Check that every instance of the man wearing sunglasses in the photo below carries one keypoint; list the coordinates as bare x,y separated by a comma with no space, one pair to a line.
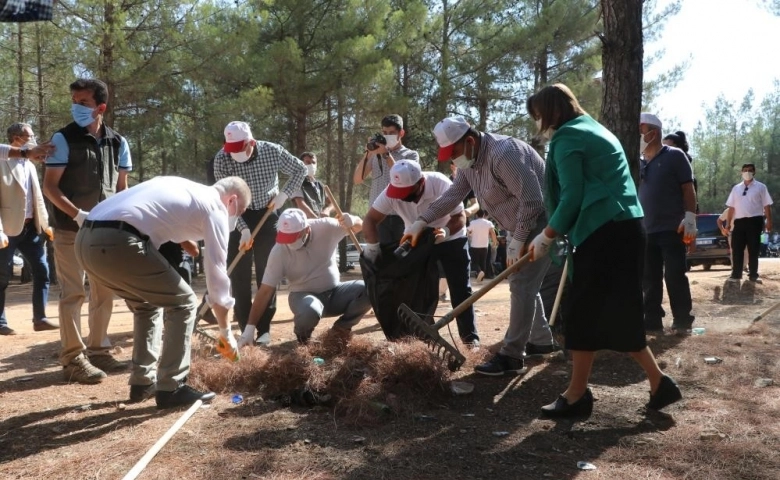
749,202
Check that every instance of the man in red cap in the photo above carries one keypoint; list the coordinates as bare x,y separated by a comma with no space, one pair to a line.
258,164
410,193
304,255
507,176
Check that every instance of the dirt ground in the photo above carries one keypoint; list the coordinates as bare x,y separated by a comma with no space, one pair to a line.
727,426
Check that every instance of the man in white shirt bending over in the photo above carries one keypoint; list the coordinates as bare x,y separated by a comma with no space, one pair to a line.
409,194
481,234
304,255
117,246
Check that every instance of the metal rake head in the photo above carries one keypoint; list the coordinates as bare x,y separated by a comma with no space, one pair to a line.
205,335
428,334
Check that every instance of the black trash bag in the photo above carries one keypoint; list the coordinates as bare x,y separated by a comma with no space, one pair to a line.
413,280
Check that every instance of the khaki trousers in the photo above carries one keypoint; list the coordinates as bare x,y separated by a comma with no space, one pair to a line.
136,271
72,294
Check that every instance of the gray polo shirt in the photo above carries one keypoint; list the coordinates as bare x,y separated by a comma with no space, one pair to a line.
380,172
660,189
312,268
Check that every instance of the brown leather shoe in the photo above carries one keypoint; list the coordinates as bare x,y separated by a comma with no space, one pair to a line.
45,324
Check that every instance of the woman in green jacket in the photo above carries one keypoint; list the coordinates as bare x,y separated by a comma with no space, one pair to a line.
591,198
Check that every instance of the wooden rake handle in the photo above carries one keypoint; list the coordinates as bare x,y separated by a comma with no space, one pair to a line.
465,304
559,295
340,213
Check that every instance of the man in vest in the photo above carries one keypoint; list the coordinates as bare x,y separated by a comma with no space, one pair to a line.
311,198
90,164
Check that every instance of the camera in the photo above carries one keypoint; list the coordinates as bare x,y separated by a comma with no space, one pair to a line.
376,140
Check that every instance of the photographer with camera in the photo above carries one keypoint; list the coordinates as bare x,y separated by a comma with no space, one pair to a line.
382,151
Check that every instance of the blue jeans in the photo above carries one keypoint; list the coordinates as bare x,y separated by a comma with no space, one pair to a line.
665,261
33,248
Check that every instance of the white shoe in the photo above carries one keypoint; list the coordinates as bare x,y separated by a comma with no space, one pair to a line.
264,340
480,276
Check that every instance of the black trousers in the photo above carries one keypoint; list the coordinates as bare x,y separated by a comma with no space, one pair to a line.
480,256
746,233
241,277
665,262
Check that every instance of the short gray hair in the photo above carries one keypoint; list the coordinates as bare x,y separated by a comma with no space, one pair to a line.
17,130
235,186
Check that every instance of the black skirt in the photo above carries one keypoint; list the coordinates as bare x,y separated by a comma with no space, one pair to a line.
604,309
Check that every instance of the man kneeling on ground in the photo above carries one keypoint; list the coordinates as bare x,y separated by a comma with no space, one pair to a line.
117,246
304,255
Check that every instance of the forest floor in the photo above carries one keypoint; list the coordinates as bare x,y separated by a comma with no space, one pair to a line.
726,427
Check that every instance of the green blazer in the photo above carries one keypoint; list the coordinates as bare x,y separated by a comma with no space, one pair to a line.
588,182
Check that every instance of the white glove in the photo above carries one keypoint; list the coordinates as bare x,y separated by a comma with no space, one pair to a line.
688,228
346,220
3,240
514,251
371,251
441,234
413,233
279,200
540,246
248,337
80,217
246,240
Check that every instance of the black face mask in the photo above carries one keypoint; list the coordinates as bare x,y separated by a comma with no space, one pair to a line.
415,195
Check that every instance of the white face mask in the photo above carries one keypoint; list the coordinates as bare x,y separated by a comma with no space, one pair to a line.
311,169
642,144
463,161
242,156
747,176
30,143
299,243
392,140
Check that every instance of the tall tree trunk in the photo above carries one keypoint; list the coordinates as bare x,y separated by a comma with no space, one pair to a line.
341,169
622,53
20,72
106,67
43,117
329,141
301,127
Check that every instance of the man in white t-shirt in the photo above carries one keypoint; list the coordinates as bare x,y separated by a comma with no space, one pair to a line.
409,194
304,255
117,245
749,202
481,234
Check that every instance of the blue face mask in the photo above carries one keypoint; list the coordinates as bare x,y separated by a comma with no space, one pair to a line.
81,115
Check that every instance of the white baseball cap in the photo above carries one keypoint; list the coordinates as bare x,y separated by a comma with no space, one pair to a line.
403,178
650,119
236,135
447,132
291,223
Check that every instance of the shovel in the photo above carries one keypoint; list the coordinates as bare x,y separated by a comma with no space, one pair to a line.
340,213
429,333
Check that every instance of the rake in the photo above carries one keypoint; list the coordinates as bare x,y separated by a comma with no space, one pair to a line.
429,332
204,306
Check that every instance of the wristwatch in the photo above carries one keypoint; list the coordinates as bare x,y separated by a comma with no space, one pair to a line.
23,151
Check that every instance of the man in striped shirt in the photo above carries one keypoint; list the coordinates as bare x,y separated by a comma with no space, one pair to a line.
258,164
507,176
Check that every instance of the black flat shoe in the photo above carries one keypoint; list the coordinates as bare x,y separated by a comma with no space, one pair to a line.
667,393
140,393
181,397
561,408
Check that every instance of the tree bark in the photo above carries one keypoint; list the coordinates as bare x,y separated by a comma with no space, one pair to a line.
622,53
20,71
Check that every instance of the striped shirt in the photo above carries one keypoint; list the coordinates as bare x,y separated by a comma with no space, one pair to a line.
508,180
261,173
380,172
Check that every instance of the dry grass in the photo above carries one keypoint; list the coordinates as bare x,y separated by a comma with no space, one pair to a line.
362,381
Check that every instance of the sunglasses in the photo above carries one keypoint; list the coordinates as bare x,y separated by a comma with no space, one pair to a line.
745,192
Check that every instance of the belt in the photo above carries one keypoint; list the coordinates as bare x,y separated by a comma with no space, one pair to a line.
117,224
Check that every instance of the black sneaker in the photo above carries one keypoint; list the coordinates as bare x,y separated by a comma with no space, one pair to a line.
533,350
500,365
667,393
181,397
140,393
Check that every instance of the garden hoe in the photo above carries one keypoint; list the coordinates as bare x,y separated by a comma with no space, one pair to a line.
204,306
429,332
